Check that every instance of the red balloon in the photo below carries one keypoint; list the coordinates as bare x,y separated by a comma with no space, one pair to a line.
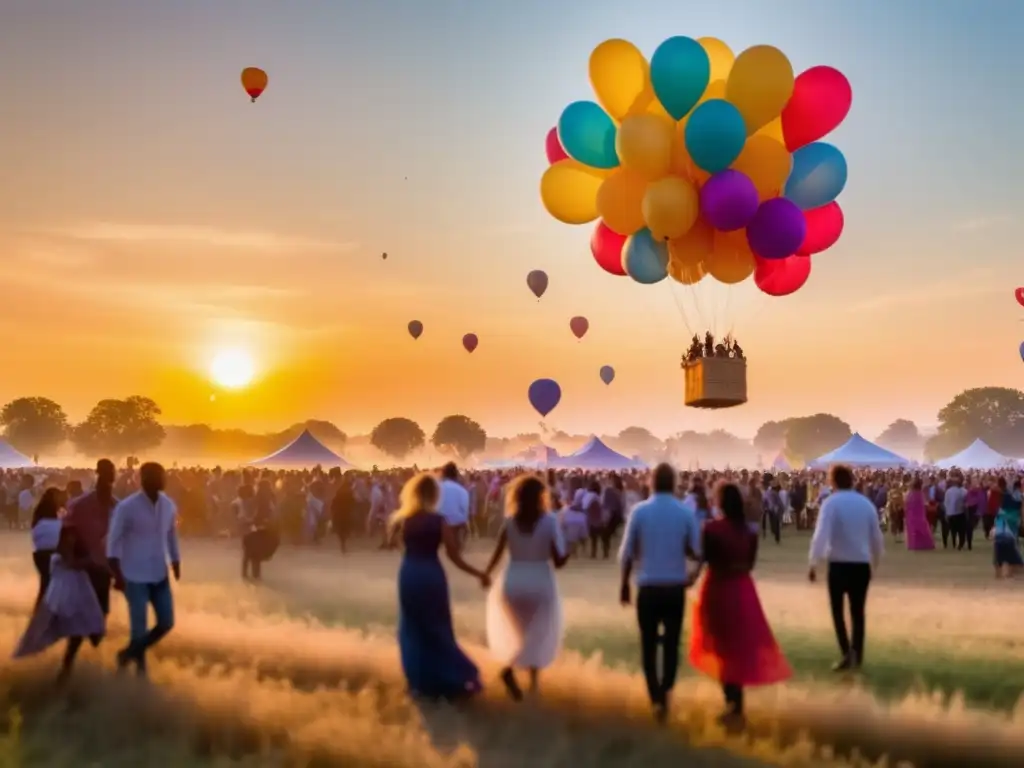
607,249
1019,293
469,341
781,277
579,326
820,102
824,226
554,147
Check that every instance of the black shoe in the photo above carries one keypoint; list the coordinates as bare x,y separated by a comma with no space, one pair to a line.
508,677
123,659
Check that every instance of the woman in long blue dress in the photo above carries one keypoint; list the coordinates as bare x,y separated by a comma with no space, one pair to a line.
434,665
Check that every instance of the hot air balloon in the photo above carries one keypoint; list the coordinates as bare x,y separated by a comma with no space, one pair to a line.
384,256
415,328
1022,350
537,280
469,341
1019,294
579,326
607,374
544,395
254,81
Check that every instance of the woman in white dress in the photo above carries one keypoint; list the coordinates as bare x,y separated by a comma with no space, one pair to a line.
524,611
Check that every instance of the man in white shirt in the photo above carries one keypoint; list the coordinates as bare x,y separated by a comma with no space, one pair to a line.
848,536
26,500
454,506
956,511
662,534
143,536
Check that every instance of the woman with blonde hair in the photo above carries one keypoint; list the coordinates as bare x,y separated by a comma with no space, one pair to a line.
434,665
524,611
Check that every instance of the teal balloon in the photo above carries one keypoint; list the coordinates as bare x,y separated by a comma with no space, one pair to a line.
644,258
715,135
680,70
587,134
818,176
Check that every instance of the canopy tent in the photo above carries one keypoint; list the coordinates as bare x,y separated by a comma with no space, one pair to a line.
304,451
596,455
12,459
858,452
978,455
781,464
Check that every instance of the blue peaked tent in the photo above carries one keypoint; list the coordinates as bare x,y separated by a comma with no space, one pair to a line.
597,455
858,452
12,459
303,452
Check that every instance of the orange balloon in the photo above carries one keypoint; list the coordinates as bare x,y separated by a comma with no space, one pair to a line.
682,164
620,201
254,81
732,261
687,255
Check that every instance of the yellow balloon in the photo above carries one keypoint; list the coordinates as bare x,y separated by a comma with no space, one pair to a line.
759,85
688,254
644,144
773,130
670,207
720,56
733,261
569,191
621,78
620,201
767,162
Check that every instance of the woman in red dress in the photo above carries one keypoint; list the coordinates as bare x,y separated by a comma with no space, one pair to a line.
731,640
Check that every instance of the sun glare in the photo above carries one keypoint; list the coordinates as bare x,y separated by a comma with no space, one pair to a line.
232,369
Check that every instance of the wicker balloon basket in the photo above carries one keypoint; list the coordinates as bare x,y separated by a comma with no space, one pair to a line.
715,382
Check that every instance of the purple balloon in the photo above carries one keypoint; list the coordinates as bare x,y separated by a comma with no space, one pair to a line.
544,395
728,200
777,229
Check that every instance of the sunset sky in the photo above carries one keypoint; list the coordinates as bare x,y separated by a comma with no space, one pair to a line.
151,216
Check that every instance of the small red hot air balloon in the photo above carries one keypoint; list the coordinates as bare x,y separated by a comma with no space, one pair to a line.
579,326
254,81
537,281
415,328
469,341
1019,294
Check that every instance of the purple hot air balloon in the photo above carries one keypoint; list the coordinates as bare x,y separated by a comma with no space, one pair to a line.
579,326
415,328
607,374
537,280
544,395
469,341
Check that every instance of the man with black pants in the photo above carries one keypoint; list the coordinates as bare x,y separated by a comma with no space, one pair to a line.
662,533
849,536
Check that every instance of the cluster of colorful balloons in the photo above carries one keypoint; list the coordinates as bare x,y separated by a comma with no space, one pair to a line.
702,163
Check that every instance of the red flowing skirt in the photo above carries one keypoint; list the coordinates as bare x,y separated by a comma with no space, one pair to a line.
731,641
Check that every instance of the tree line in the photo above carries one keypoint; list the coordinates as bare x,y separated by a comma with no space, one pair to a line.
131,426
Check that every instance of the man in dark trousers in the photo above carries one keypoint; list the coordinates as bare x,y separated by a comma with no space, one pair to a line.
662,534
848,535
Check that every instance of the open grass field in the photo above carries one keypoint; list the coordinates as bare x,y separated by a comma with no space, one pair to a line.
303,671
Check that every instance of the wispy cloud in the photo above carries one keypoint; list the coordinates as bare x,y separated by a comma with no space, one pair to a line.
251,240
972,283
978,223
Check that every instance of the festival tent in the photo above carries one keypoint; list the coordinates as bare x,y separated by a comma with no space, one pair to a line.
12,459
780,464
978,455
304,451
858,452
597,455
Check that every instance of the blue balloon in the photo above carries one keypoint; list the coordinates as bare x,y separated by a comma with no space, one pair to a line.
644,258
607,374
587,134
680,70
818,176
715,135
544,395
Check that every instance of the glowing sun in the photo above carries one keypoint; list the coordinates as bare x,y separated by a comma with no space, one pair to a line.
232,369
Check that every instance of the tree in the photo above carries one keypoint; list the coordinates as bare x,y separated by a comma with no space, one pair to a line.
34,424
637,441
902,436
397,437
459,435
771,436
120,427
808,437
993,414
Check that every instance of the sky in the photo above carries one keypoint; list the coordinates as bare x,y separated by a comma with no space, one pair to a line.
151,216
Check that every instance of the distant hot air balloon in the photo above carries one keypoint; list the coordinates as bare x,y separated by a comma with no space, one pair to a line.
469,341
254,81
607,374
1022,350
579,326
538,282
1019,293
415,328
384,255
544,395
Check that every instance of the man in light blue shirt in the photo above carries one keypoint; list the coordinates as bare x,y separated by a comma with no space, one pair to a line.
143,536
662,535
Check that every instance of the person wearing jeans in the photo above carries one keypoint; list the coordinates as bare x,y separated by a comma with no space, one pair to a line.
143,537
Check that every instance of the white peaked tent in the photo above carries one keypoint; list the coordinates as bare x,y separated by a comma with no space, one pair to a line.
12,459
858,452
304,451
978,455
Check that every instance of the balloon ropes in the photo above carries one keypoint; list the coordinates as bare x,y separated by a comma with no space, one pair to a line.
704,170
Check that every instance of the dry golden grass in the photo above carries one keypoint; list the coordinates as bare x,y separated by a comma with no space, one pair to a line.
270,676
